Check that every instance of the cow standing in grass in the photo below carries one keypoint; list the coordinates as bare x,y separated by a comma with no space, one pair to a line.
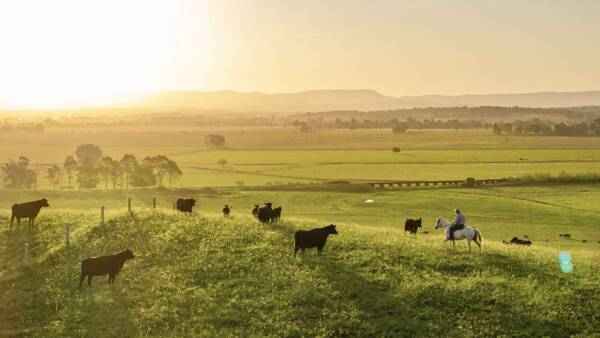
27,210
185,204
226,210
109,265
412,225
313,238
255,211
276,214
264,213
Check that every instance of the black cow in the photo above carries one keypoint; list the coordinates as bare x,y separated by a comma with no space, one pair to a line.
264,213
412,225
27,210
109,265
226,210
185,204
313,238
518,241
276,214
255,211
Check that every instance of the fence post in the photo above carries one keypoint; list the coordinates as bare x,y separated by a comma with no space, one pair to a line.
26,256
129,204
67,233
153,202
102,215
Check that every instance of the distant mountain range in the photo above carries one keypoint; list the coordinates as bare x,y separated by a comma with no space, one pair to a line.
362,99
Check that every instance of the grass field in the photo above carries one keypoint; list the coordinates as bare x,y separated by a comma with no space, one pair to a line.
282,155
203,275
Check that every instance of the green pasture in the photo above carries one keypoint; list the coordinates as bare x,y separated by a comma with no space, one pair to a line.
541,212
202,275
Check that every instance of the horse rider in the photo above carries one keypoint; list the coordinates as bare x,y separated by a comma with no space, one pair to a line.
458,224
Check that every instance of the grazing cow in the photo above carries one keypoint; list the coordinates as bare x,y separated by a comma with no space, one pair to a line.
566,235
526,237
584,241
264,213
515,240
27,210
313,238
185,204
255,211
412,225
109,265
276,214
226,210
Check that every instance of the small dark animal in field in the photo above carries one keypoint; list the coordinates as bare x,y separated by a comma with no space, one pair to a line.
255,210
264,213
518,241
276,214
412,225
109,265
566,235
584,241
505,242
27,210
185,204
313,238
525,236
226,210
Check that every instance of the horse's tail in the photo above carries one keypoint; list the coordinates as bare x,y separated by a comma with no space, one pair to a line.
478,236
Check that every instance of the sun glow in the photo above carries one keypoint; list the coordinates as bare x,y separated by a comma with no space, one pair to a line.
64,53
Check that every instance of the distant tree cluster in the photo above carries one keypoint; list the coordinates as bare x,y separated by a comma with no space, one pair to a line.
538,127
18,175
395,125
90,168
22,127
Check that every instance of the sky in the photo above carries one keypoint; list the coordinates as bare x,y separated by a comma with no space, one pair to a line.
75,52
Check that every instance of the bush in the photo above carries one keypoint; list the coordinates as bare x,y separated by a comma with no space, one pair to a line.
470,182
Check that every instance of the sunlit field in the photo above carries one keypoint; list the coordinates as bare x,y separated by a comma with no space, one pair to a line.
269,156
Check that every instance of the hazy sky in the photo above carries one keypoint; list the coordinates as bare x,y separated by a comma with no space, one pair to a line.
64,52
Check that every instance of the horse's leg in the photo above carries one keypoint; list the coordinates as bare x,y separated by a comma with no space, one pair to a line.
454,245
478,244
469,244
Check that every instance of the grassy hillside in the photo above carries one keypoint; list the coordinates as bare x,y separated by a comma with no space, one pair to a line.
205,275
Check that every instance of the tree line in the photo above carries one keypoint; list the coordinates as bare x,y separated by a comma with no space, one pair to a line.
394,124
89,168
546,128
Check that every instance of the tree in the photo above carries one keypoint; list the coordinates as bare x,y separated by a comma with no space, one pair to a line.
116,174
399,128
88,175
143,176
17,175
70,166
222,162
106,169
53,175
214,140
173,171
88,154
128,164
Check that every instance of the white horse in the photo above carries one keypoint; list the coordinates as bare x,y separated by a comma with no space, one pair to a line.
468,233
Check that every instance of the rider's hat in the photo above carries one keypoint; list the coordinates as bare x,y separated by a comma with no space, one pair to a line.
457,210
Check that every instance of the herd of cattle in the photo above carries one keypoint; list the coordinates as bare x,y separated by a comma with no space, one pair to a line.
111,265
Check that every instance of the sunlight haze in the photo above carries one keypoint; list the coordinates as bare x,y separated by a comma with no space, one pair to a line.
70,53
